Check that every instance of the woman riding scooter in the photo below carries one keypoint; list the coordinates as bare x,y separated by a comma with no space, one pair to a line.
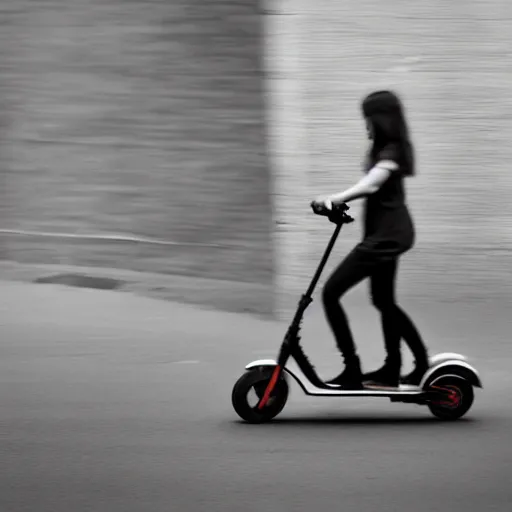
388,233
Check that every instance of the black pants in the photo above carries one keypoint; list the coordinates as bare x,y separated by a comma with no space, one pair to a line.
358,265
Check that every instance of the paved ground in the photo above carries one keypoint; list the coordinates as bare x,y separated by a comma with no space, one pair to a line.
232,296
114,402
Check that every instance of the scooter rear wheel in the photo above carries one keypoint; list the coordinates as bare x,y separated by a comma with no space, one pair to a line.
257,379
458,401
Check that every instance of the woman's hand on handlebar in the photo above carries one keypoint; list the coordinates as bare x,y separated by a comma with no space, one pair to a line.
320,204
326,207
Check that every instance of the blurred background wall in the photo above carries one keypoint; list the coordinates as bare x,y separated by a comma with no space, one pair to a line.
139,118
150,118
451,63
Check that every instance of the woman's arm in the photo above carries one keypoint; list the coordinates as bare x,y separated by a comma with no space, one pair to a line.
366,186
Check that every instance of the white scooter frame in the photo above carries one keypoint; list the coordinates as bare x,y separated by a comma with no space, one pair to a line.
443,365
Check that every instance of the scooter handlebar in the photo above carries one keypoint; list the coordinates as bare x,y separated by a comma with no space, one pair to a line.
320,209
337,214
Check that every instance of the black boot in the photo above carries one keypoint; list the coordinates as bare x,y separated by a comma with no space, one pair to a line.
350,378
386,376
414,378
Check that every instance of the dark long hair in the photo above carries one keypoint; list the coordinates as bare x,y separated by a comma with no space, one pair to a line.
386,114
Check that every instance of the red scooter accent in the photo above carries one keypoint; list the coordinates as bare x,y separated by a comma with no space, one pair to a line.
270,387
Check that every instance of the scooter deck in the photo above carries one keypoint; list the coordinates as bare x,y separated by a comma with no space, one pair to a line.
328,390
370,391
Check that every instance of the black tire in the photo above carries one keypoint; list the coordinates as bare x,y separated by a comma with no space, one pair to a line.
257,379
453,411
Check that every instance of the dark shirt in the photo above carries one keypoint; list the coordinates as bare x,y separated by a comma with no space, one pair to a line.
388,227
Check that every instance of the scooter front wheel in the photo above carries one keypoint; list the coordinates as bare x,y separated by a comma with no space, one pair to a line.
249,389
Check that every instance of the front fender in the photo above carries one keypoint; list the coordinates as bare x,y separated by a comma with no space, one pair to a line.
272,363
261,362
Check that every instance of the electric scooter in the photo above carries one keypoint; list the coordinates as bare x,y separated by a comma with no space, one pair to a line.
446,388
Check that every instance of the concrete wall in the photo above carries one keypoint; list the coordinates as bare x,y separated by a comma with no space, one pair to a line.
143,118
123,117
449,61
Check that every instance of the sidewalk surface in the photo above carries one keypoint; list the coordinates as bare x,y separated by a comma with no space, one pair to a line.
117,402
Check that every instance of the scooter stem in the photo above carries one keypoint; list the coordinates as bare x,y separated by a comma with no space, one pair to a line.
291,335
323,261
